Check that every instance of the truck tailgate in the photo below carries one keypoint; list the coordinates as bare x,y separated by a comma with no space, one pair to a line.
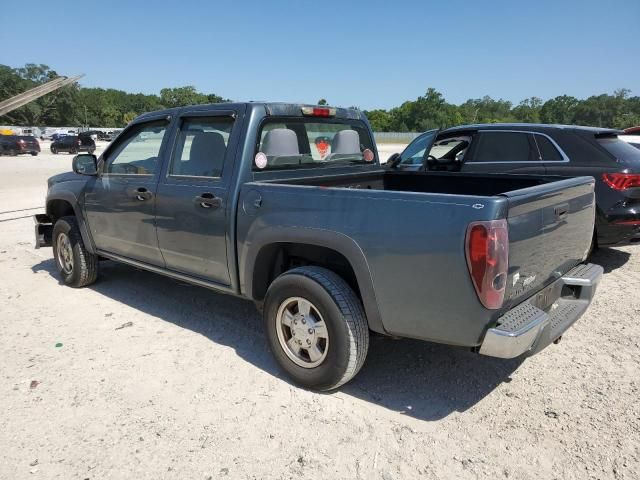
550,232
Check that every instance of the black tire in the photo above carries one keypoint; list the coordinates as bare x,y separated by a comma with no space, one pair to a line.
54,150
84,269
343,315
34,154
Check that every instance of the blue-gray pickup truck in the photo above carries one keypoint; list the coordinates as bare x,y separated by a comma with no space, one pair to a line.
287,205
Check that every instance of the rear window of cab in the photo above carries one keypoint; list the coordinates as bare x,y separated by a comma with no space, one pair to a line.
290,143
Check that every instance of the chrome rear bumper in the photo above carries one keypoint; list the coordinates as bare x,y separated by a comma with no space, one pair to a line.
527,328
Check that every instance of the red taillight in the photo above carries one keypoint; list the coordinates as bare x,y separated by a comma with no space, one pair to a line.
487,250
621,181
633,223
319,111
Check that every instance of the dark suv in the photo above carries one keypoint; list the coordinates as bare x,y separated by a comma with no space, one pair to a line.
19,144
73,144
547,150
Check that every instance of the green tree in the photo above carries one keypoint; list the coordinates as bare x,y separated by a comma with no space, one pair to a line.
559,110
213,98
486,110
528,110
322,101
380,120
181,96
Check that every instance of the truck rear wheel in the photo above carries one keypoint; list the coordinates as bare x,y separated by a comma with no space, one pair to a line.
77,266
316,327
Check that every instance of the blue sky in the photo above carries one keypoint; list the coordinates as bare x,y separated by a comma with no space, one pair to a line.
371,54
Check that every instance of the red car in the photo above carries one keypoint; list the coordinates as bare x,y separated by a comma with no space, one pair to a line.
18,144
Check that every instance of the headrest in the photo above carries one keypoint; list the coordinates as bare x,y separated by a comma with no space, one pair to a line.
206,145
346,142
280,142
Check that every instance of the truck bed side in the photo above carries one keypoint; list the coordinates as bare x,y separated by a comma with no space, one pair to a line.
412,245
407,249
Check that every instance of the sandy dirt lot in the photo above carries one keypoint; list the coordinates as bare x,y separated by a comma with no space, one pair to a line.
144,377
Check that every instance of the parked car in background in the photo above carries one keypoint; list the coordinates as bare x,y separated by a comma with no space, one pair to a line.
104,136
58,135
27,131
632,136
237,197
547,150
19,145
92,134
73,144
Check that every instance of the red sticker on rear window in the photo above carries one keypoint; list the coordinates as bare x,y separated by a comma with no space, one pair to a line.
323,144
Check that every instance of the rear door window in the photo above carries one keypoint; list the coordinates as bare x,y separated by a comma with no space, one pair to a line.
622,151
202,145
505,147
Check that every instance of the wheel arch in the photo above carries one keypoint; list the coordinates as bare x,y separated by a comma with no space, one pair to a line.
279,249
66,204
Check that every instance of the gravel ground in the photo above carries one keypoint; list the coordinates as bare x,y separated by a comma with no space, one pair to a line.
143,377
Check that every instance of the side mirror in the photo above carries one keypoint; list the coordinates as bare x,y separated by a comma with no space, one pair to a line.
85,164
393,160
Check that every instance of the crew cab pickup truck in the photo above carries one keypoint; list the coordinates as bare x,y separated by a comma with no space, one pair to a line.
288,206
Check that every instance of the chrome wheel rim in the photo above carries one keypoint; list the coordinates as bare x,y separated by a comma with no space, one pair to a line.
302,332
65,253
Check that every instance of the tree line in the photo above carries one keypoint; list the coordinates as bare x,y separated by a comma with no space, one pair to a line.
75,105
619,110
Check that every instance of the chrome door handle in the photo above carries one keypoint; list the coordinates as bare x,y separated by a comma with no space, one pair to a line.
208,200
142,194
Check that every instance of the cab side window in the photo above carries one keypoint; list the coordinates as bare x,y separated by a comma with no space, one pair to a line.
138,151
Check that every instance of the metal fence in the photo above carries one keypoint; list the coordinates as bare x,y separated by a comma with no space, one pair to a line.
395,137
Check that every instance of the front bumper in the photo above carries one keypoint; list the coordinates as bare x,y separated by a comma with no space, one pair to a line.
43,230
543,318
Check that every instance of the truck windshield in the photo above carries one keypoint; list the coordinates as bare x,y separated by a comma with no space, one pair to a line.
313,142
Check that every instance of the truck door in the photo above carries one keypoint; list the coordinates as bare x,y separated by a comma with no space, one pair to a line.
120,202
503,151
193,204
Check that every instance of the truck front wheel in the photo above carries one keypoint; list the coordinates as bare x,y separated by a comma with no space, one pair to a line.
77,266
316,327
